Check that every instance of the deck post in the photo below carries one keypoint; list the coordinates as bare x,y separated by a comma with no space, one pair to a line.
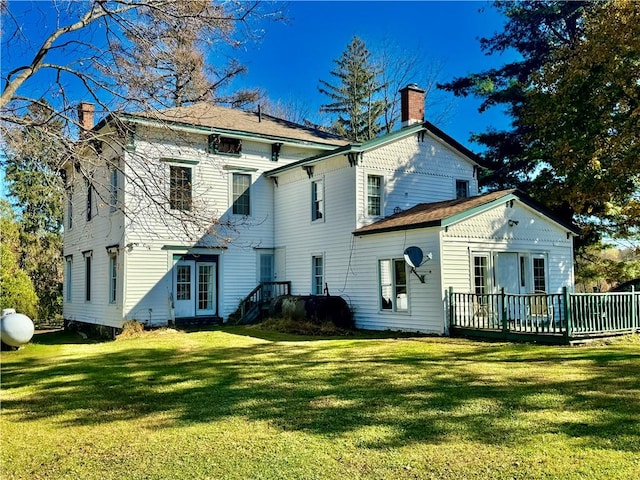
567,312
451,307
503,311
634,309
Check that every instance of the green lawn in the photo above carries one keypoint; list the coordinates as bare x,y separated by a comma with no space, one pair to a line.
237,403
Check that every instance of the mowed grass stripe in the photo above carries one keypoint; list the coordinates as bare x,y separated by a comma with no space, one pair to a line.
237,403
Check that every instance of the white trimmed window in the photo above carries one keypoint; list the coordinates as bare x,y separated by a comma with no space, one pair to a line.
68,276
88,266
462,188
70,208
481,274
90,195
392,276
539,274
241,190
317,265
113,189
374,195
113,277
317,200
180,184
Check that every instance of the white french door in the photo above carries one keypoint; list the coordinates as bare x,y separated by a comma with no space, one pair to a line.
195,289
206,288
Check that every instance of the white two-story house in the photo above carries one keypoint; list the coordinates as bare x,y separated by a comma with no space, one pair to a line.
186,210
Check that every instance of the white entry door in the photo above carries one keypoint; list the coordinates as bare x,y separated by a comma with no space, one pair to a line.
508,272
195,288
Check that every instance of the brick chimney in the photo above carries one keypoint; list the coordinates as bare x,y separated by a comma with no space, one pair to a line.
412,105
85,115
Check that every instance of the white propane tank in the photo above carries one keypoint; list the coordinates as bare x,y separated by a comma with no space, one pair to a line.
16,329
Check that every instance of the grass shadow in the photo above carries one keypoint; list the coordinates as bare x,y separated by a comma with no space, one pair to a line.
423,391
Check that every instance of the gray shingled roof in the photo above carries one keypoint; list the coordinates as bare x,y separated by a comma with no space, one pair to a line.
220,118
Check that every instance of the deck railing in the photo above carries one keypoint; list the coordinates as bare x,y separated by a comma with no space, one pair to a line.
568,315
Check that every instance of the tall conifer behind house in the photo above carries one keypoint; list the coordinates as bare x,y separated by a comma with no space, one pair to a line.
355,97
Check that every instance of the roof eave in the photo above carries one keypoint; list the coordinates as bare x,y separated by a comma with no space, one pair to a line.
398,228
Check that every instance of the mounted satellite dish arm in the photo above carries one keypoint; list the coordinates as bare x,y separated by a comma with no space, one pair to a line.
414,258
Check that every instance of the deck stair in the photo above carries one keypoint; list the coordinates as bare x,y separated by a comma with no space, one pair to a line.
255,306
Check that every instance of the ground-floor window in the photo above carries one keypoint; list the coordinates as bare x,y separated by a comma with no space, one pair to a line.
539,274
317,265
69,275
480,274
88,262
393,285
113,277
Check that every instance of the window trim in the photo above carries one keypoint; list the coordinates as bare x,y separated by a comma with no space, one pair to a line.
68,262
318,206
379,196
247,192
113,189
69,208
113,277
394,285
487,278
89,201
214,142
545,274
179,198
459,183
88,275
317,288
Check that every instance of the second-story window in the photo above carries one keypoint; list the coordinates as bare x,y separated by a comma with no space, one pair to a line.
374,195
70,208
180,187
241,194
90,195
462,188
317,200
219,144
113,189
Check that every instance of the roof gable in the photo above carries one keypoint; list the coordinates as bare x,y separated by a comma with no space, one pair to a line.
359,148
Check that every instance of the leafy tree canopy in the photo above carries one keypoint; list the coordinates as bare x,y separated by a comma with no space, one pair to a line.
573,98
16,288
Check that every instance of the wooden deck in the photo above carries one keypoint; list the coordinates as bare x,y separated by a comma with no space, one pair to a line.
544,318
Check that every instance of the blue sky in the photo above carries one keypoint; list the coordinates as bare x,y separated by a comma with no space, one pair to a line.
292,57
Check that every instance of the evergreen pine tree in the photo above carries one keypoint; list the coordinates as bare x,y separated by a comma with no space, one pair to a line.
355,99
